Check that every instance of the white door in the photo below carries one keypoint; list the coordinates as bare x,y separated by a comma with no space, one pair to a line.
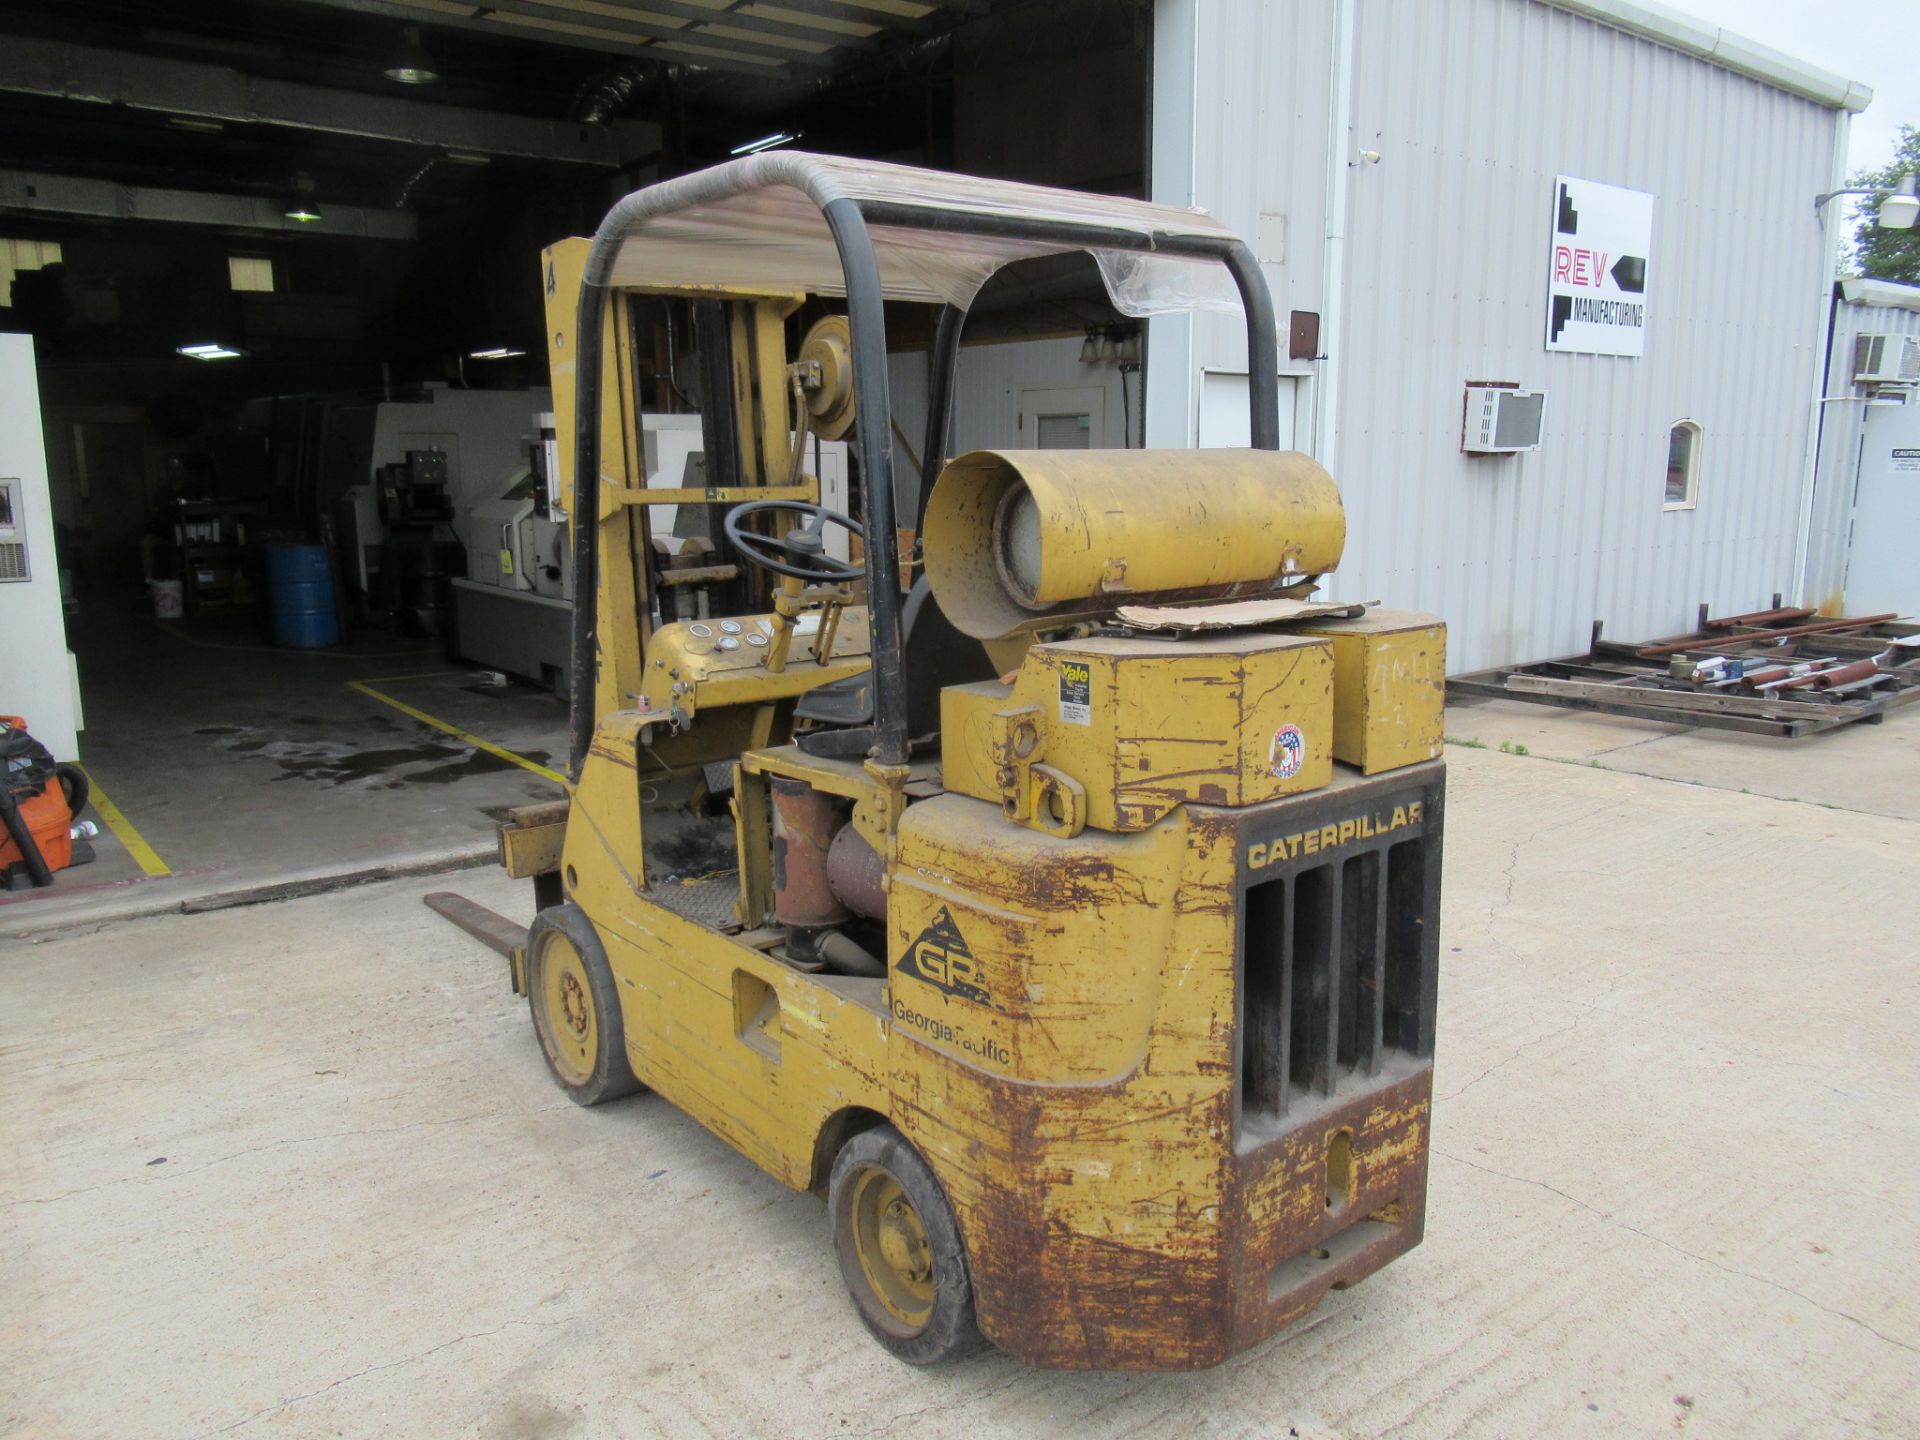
1226,420
1062,417
1883,566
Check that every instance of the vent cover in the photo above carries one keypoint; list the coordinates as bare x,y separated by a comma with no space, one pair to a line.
13,531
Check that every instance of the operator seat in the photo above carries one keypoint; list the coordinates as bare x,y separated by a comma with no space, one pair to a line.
933,654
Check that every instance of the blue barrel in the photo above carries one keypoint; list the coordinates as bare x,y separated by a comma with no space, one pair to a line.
300,596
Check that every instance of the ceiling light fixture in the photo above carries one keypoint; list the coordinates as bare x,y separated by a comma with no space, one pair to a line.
211,351
498,352
765,142
300,204
411,64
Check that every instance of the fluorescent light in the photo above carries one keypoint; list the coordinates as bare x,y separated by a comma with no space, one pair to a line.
765,142
498,352
211,351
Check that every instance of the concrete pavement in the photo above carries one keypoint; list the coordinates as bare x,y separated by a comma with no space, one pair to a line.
298,1170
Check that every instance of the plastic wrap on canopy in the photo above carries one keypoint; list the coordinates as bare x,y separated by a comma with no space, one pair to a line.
757,223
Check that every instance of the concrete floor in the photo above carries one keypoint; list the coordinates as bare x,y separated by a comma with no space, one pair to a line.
240,764
1871,768
298,1170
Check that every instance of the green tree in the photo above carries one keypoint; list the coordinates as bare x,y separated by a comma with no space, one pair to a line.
1887,254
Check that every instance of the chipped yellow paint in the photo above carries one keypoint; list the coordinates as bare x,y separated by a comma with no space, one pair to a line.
1389,687
1143,726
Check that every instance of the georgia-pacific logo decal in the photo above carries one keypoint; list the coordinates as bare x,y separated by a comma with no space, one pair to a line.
941,957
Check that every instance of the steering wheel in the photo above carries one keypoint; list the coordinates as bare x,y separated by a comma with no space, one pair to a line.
801,552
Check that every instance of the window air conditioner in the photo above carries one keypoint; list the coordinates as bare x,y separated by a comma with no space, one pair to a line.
1502,420
1886,359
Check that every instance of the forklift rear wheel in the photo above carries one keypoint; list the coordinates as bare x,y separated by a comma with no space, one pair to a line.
576,1010
900,1250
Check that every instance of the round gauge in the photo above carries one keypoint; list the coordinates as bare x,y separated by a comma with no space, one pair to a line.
756,638
729,627
729,642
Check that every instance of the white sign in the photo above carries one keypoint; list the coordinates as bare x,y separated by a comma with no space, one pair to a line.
1597,268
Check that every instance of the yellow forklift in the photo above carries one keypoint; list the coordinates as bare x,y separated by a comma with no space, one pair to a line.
1067,918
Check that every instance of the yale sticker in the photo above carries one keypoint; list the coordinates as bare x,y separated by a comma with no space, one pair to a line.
506,561
941,956
1332,836
1076,692
1289,751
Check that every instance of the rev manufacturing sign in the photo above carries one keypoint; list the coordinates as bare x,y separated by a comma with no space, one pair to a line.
1597,268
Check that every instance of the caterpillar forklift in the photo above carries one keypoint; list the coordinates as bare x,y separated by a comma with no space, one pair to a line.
1067,917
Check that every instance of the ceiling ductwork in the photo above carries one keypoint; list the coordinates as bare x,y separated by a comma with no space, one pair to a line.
608,96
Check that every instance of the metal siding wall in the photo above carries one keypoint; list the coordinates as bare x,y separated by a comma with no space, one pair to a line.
1257,139
1845,412
1475,106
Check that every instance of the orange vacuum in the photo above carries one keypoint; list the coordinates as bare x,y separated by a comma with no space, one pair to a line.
39,799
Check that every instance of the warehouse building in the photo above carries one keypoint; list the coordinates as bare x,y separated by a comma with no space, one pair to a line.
1553,288
1411,173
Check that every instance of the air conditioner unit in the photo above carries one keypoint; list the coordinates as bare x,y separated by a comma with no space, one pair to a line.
1502,419
1886,359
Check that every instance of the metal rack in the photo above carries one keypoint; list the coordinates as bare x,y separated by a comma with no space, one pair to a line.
1783,671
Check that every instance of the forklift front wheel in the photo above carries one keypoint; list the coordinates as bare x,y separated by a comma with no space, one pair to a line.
576,1011
900,1251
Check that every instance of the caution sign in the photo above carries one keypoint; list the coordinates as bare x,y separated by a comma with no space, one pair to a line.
1907,460
1597,268
1076,692
941,956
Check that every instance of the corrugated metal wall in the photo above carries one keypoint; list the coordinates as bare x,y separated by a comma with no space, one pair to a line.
1254,144
1844,412
1474,107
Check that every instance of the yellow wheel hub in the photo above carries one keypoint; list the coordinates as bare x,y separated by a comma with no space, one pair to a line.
895,1255
569,1029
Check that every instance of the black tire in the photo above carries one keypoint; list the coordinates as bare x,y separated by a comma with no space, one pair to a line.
73,782
585,1045
947,1329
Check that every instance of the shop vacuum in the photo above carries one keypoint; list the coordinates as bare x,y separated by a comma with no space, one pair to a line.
39,800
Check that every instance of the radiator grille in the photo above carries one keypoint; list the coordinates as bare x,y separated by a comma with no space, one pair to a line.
1337,969
13,562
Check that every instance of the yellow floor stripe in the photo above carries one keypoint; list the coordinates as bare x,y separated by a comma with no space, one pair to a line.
459,734
415,675
144,855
